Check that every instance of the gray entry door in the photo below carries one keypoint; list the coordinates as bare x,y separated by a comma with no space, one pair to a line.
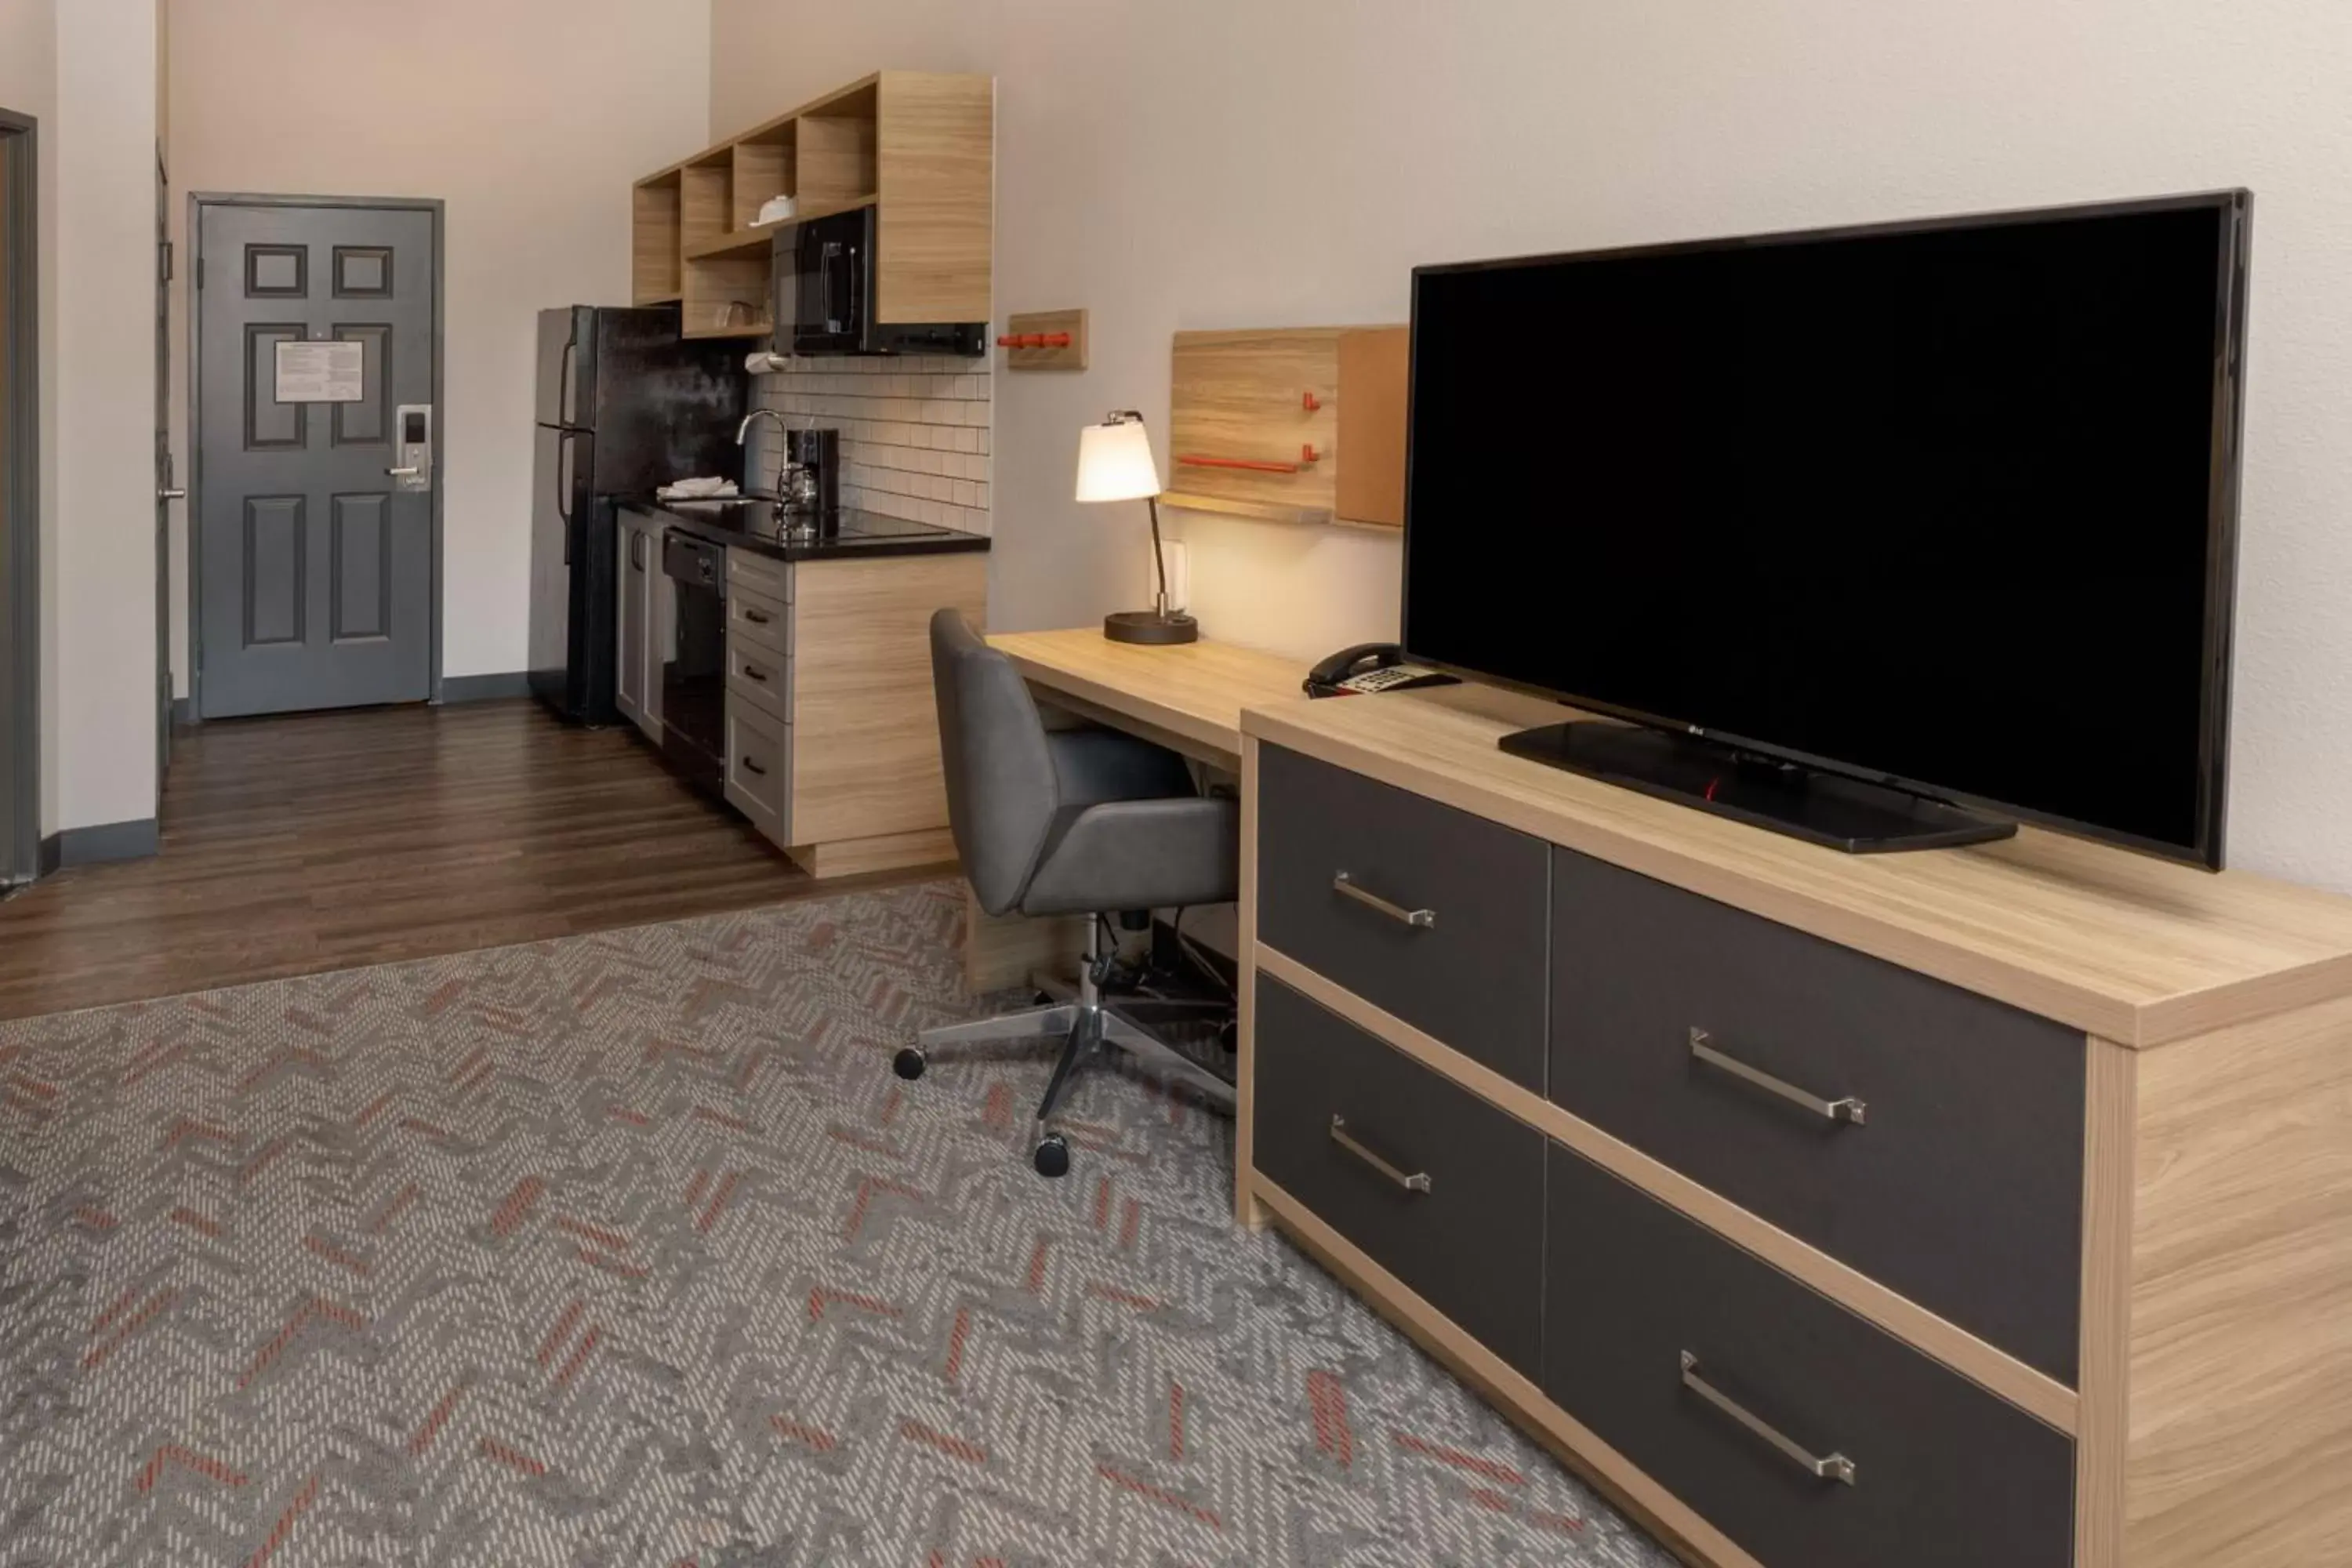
314,566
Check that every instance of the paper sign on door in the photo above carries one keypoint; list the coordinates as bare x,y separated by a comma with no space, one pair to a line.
321,373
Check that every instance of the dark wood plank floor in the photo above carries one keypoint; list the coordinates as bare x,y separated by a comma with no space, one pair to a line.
324,841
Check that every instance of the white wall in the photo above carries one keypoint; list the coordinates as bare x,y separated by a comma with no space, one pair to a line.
104,608
87,70
529,118
1232,162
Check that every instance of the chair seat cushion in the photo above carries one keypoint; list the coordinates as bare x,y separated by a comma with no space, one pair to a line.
1140,855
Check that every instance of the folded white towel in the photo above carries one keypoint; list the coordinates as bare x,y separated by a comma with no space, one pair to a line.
697,490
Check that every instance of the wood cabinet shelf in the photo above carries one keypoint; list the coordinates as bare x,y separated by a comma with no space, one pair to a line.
749,240
919,146
758,329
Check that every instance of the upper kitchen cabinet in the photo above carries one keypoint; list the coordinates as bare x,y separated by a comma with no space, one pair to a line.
918,147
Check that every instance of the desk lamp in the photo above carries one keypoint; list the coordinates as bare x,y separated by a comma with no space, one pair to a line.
1115,464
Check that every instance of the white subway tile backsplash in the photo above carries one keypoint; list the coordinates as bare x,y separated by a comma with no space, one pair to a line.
915,432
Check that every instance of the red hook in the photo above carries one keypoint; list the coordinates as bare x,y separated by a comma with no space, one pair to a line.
1313,403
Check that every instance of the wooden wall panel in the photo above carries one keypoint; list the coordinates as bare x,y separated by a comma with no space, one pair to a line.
1374,366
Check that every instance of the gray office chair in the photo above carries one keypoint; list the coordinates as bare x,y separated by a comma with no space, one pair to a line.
1066,822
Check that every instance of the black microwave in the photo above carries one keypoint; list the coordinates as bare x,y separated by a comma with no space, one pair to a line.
824,295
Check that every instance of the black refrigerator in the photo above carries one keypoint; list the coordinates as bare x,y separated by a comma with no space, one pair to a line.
624,406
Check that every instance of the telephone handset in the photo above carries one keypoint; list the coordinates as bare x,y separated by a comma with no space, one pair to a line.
1369,666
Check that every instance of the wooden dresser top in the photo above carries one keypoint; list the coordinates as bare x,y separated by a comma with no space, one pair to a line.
2132,949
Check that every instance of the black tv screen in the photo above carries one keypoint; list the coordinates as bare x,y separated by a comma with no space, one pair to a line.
1949,505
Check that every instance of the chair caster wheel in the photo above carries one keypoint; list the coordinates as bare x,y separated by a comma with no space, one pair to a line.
1053,1156
908,1063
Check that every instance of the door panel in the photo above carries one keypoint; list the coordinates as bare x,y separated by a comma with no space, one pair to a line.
274,574
362,568
367,422
313,571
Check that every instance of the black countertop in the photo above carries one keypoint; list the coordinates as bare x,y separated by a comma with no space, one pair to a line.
763,527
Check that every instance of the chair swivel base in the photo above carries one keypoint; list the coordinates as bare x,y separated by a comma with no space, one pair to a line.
1086,1026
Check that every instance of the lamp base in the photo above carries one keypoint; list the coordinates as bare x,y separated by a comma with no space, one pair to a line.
1151,627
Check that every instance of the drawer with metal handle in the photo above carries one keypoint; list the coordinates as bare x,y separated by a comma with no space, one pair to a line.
1808,1436
1427,912
1927,1136
762,574
1444,1191
759,778
754,617
761,677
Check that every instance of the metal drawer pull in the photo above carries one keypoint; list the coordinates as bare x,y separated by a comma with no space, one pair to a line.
1846,1109
1416,1183
755,672
1836,1467
1420,920
757,617
755,767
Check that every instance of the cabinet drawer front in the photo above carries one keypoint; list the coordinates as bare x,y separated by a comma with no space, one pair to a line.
1945,1475
1441,1188
1961,1186
753,616
759,767
1471,971
761,677
749,569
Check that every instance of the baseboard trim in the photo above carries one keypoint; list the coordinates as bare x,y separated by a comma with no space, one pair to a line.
454,688
99,845
484,687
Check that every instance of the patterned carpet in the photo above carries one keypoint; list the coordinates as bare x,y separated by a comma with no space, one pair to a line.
629,1249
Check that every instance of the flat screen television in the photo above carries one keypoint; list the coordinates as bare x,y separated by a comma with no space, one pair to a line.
1946,509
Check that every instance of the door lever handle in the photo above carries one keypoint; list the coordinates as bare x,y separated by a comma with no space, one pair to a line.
172,495
407,473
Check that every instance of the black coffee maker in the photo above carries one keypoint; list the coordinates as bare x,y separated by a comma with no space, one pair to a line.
812,469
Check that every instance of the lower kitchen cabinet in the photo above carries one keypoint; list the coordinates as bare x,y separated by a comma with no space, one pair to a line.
645,621
833,735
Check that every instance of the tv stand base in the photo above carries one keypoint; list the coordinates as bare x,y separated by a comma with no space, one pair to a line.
1852,815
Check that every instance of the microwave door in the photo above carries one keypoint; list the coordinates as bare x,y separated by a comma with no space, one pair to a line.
833,276
790,304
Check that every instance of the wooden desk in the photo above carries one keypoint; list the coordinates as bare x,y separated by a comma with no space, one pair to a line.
1188,698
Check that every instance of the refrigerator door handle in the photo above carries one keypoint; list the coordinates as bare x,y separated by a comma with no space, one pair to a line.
565,410
563,482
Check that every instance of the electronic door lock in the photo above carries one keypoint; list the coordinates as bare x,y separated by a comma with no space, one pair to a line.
414,468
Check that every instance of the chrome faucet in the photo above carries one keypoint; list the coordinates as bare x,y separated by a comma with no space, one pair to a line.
744,429
783,458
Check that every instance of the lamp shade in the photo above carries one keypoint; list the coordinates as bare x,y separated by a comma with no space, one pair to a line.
1115,462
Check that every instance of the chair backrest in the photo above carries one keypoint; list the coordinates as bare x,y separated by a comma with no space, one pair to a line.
1001,789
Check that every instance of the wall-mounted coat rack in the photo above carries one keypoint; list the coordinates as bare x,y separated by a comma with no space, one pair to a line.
1292,424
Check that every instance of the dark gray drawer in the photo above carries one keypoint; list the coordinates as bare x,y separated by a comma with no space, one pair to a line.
1945,1474
1472,1242
1472,976
1961,1188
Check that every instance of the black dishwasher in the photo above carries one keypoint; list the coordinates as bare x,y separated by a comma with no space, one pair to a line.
694,678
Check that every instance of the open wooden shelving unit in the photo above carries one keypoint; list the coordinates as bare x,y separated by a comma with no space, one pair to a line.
919,145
